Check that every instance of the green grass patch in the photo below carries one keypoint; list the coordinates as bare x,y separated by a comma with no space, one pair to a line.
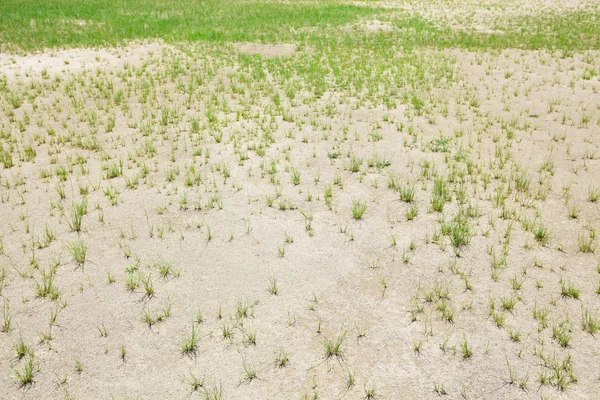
35,24
571,30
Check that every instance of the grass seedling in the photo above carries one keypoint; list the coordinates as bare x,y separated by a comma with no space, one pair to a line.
586,242
249,372
542,234
439,389
226,330
122,352
569,290
78,249
358,209
190,343
21,348
589,321
370,392
250,337
562,333
148,285
273,289
411,212
6,322
350,379
102,330
78,365
328,195
214,393
594,194
384,286
333,347
46,288
78,210
25,376
407,193
512,375
418,345
465,348
282,358
199,318
166,269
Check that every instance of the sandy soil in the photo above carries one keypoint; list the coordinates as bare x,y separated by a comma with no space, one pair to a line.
233,228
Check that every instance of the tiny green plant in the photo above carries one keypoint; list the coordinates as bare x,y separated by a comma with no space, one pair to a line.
148,285
465,348
569,290
282,358
370,392
542,234
25,376
249,372
333,346
78,249
78,210
21,348
407,193
594,194
562,333
196,383
358,209
123,352
78,365
590,321
328,195
350,378
273,289
439,389
215,392
190,343
102,330
6,322
411,212
418,346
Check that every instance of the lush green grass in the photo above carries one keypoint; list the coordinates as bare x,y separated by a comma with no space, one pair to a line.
33,24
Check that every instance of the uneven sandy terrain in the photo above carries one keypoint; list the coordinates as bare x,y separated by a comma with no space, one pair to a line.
184,220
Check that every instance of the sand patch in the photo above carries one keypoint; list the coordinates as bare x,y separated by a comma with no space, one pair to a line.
75,60
375,25
266,50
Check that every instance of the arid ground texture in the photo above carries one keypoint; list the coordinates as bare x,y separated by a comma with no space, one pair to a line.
299,199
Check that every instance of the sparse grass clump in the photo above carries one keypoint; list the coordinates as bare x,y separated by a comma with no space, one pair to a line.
542,234
568,289
78,249
333,346
282,358
25,375
358,209
190,343
458,230
562,333
590,322
407,193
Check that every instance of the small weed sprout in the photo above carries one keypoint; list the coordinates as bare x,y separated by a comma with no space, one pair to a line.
78,249
358,209
25,376
282,358
333,346
190,343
